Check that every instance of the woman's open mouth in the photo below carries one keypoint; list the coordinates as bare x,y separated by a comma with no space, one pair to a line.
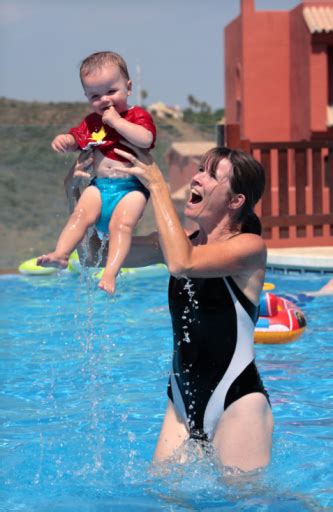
195,197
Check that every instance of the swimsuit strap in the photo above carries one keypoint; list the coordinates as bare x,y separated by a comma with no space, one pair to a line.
248,305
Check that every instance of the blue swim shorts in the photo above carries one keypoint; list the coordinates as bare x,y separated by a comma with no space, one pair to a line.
112,191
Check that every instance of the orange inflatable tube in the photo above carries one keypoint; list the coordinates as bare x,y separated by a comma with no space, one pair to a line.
280,320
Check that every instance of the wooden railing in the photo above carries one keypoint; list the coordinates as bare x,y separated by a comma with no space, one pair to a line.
297,207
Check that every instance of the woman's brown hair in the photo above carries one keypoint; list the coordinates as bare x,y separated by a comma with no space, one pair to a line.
247,178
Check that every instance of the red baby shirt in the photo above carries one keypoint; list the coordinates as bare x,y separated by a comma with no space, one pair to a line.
90,132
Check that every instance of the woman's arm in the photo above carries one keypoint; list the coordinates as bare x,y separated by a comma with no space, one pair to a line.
76,174
145,250
241,254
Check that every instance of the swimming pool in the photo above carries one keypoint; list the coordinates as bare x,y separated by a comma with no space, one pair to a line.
84,391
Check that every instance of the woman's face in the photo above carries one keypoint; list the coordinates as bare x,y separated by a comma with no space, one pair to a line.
210,194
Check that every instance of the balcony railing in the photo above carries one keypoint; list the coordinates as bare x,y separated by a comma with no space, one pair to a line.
297,206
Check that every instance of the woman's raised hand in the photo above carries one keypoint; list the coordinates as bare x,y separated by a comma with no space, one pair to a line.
82,164
143,165
78,171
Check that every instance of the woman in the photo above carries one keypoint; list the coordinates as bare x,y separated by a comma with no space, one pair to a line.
217,273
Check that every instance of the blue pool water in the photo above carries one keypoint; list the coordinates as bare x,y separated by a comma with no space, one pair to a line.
83,392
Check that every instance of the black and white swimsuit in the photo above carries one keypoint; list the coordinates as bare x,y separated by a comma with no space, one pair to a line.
213,360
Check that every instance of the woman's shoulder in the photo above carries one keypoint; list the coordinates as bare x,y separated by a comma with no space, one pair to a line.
240,243
247,250
251,245
245,244
254,239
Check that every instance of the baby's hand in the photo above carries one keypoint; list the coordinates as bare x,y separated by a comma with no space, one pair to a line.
110,117
64,143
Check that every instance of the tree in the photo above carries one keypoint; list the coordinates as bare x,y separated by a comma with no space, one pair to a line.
201,113
205,108
193,102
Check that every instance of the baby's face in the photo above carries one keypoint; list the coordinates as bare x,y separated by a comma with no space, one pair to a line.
107,87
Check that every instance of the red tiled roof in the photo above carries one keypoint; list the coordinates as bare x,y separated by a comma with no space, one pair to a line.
319,19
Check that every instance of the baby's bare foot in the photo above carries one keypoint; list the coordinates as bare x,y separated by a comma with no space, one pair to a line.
52,259
108,282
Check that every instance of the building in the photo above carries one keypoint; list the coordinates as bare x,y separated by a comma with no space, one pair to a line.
162,111
279,101
279,72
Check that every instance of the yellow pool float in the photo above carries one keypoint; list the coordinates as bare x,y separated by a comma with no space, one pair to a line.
30,267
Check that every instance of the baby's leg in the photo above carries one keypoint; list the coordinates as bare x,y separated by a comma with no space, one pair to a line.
86,213
123,221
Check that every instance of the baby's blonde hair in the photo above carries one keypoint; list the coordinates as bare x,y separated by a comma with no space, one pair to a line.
98,60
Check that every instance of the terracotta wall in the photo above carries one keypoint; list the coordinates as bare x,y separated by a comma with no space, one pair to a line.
266,76
300,44
233,71
318,87
257,51
276,74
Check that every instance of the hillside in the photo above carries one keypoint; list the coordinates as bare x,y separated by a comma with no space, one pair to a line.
32,203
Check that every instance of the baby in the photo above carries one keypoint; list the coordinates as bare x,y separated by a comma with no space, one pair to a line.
114,201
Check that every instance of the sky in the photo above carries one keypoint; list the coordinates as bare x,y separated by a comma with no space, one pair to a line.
176,44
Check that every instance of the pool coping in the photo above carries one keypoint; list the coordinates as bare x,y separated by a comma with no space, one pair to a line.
301,260
291,259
